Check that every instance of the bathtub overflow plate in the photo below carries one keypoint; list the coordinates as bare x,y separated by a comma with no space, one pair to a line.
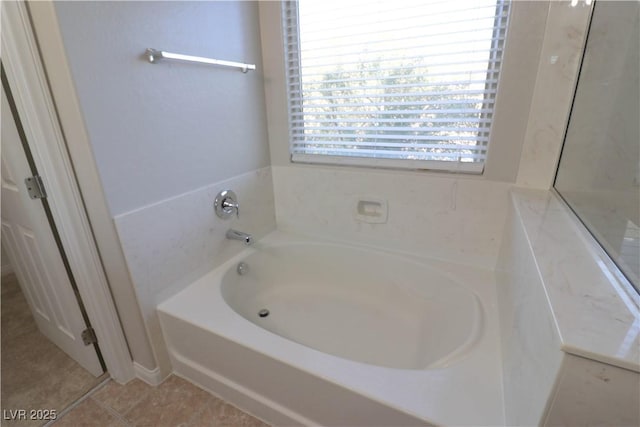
263,313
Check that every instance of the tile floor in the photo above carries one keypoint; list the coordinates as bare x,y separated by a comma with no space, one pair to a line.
35,373
175,402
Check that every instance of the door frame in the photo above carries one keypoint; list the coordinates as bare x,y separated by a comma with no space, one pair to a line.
21,60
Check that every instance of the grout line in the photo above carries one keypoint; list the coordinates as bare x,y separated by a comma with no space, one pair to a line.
203,407
112,411
140,398
81,399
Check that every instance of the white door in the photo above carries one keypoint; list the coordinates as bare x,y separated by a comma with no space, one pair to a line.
34,254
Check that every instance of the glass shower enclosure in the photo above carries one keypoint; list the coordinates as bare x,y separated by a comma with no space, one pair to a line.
599,170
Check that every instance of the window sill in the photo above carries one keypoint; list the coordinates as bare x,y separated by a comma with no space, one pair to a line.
422,165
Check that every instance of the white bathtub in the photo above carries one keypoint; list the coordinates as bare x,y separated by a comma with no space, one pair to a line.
353,336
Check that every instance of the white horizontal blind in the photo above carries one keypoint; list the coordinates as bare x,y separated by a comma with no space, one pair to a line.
387,83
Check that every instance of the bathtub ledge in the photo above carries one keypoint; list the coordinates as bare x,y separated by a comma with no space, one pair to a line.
595,309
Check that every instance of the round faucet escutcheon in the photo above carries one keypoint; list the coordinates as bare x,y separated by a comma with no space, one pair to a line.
226,204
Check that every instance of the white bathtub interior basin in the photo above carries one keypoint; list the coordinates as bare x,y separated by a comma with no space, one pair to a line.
355,336
358,304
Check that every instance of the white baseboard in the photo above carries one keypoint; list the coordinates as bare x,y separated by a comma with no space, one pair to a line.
152,377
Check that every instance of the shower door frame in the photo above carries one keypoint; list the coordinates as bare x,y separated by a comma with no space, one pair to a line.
21,60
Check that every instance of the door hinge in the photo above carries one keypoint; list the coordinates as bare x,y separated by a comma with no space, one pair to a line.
89,336
35,187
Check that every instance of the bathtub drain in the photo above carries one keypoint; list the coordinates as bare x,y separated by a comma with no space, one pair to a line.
242,268
263,313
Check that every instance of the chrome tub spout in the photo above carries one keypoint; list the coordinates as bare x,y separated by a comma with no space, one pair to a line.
239,235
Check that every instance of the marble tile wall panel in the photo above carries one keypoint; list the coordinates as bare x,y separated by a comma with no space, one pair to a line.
169,244
555,84
601,151
594,393
595,308
569,327
531,355
451,217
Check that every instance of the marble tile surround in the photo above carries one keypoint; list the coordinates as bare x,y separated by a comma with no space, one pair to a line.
555,84
170,243
570,327
451,217
593,393
601,153
531,355
596,310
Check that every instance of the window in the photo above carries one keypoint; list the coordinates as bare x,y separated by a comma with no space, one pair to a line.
408,84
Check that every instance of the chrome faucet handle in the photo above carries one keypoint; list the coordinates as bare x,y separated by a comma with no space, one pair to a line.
225,204
230,205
